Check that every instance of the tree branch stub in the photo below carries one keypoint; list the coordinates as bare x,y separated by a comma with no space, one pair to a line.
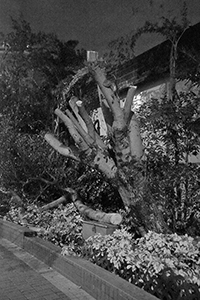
129,101
79,140
59,147
83,113
110,96
87,138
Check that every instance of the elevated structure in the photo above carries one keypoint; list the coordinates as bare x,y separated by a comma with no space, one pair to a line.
151,68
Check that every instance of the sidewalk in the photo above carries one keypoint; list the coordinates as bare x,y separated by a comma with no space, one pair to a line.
23,277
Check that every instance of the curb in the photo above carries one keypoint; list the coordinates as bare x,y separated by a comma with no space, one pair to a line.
99,283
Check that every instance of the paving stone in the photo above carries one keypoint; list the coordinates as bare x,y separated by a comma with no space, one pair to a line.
23,277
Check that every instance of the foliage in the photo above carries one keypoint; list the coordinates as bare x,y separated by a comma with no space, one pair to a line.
96,191
184,47
61,226
32,66
53,174
122,49
30,167
167,136
4,205
166,265
169,143
171,29
140,260
6,166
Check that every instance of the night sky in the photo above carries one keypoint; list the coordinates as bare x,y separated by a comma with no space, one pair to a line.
94,22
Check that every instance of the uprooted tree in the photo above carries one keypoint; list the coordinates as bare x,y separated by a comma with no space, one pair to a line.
126,171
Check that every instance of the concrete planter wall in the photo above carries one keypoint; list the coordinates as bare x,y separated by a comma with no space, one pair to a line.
14,233
96,281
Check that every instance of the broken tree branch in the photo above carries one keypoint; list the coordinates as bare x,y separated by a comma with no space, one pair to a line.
73,125
111,218
83,113
54,203
73,105
90,126
59,147
110,96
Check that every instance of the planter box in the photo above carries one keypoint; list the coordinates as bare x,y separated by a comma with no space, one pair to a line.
92,228
99,283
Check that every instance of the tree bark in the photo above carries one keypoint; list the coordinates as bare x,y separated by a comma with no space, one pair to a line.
111,218
136,146
60,147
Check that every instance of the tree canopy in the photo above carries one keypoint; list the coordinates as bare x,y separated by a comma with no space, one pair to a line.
32,65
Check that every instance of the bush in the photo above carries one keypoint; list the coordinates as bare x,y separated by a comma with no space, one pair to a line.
152,262
61,226
169,143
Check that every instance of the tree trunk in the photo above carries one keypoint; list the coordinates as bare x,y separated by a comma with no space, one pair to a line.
144,213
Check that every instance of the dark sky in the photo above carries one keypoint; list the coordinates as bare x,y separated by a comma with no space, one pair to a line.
93,22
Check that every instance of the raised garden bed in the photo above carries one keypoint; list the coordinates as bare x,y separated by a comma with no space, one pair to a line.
96,281
166,266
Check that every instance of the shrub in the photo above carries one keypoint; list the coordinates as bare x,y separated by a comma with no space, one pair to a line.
61,226
169,143
152,262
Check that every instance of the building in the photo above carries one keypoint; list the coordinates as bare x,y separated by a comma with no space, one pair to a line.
146,74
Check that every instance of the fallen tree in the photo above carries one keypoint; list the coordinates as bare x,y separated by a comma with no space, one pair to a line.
126,171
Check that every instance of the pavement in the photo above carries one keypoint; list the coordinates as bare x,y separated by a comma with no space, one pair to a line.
24,277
